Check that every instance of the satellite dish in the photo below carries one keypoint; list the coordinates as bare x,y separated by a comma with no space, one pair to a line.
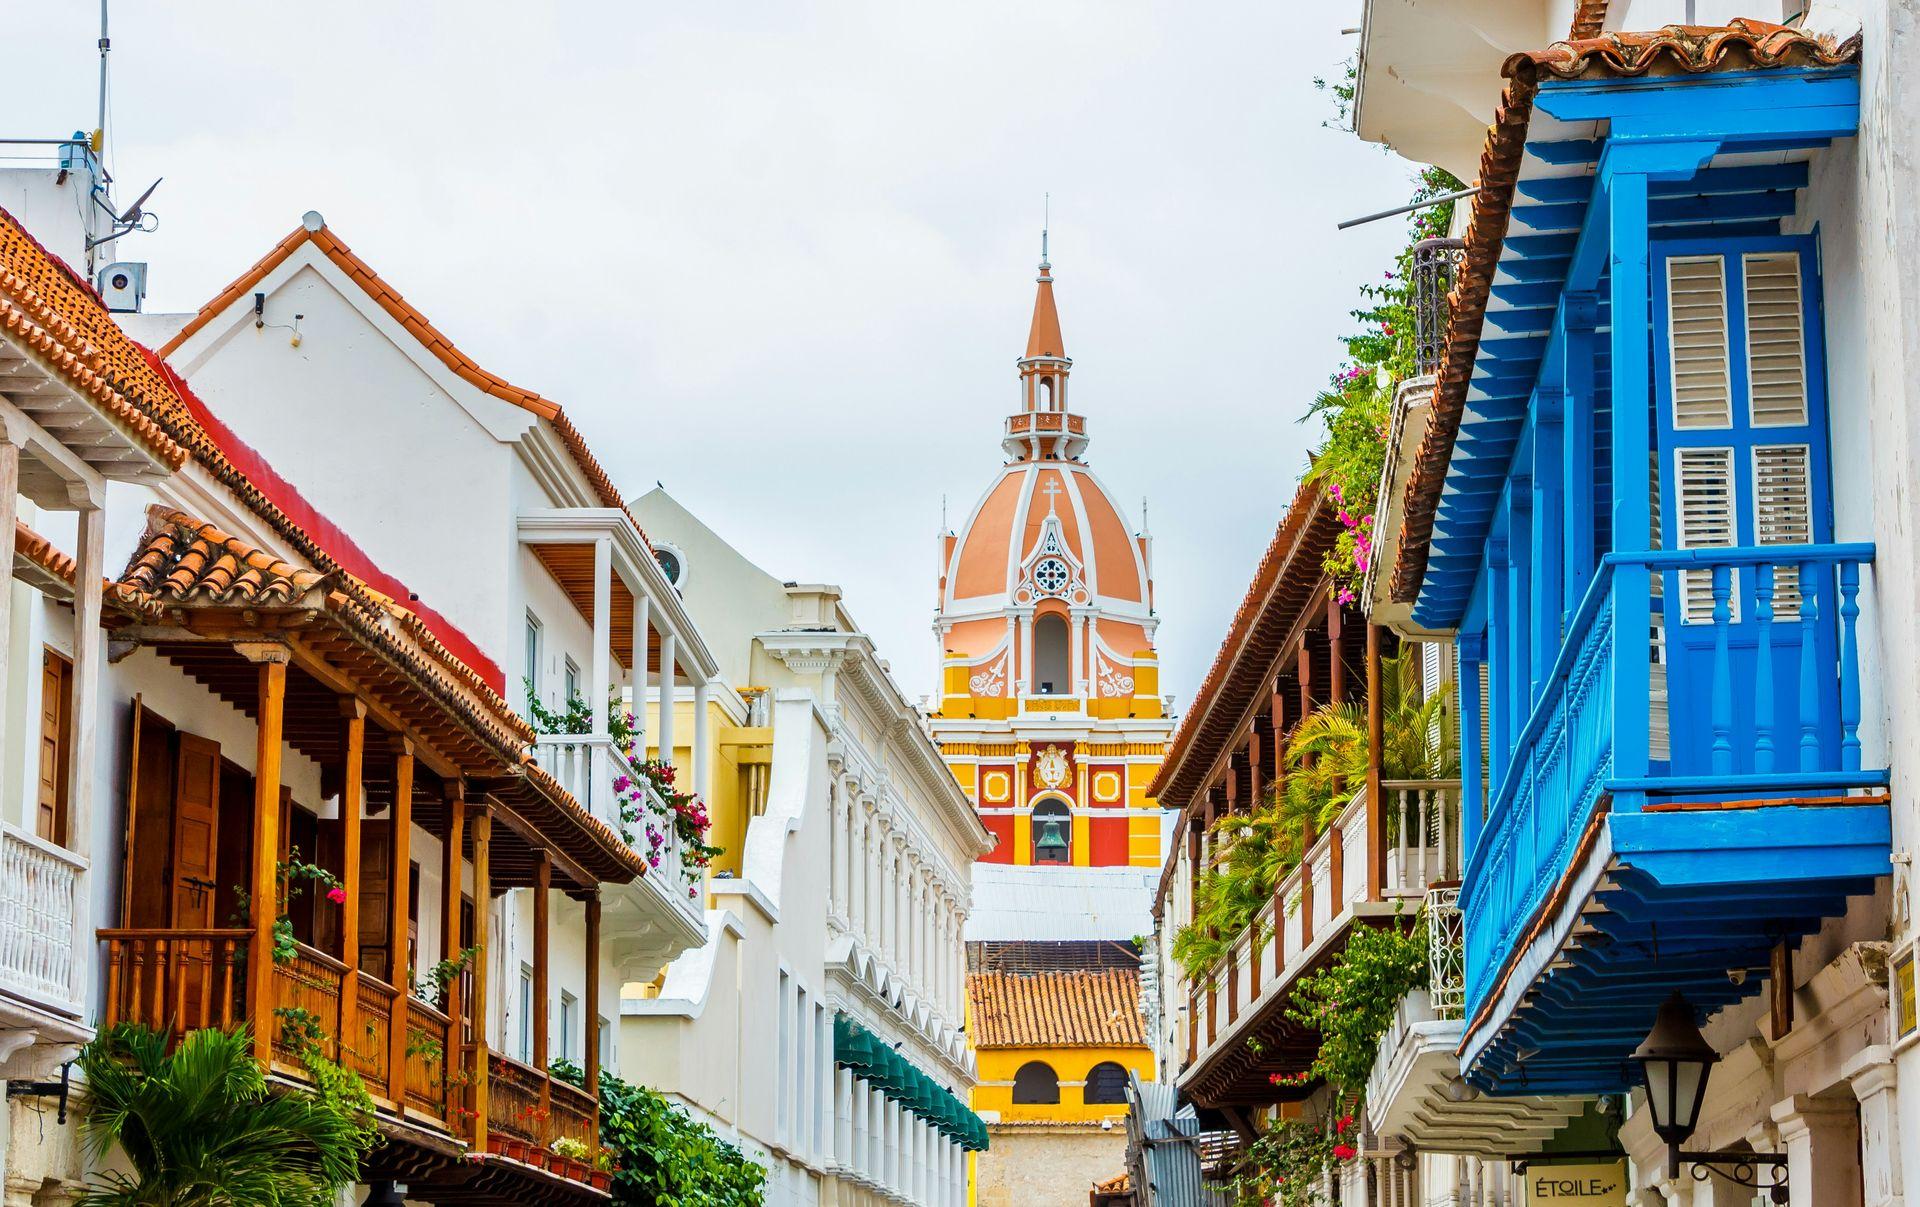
312,221
133,211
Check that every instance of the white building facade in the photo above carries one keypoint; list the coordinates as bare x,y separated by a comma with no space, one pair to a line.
834,950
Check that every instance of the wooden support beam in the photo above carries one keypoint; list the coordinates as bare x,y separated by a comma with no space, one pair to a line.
353,744
1336,662
264,884
400,849
482,938
592,1036
451,886
542,972
1781,990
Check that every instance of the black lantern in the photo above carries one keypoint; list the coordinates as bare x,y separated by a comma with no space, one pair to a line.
1676,1060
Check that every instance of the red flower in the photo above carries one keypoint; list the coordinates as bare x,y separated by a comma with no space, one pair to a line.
1346,1121
1344,1152
337,895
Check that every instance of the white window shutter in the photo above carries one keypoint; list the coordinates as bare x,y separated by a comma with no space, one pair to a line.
1776,351
1697,338
1783,513
1703,498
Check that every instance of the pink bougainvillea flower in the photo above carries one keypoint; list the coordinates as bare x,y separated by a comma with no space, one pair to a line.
1346,1121
1344,1152
337,895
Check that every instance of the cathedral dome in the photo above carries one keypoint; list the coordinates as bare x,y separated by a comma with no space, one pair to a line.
1046,530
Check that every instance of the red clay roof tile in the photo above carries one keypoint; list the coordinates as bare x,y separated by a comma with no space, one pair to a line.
1055,1009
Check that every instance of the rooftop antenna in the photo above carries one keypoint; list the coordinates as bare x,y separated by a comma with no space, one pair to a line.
1146,529
943,513
106,45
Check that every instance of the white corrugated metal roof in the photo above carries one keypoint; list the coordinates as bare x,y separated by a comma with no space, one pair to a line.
1060,904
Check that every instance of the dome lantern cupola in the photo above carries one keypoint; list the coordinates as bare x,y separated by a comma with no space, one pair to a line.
1044,429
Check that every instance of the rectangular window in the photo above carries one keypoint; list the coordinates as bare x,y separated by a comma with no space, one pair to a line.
570,683
604,1037
783,1065
531,673
526,1013
56,737
569,1023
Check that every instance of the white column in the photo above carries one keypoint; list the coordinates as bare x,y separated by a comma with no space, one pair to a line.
1822,1146
702,757
667,693
843,1117
857,867
1026,657
638,641
9,516
600,678
1080,660
1871,1073
837,854
89,646
859,1158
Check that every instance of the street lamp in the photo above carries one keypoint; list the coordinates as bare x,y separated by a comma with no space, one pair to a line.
1675,1061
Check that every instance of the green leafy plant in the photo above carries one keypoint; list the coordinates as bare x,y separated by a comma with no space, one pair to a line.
1351,1002
1287,1166
292,875
200,1128
665,1156
1356,406
440,978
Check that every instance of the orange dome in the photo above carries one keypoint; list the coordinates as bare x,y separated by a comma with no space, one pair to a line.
1045,511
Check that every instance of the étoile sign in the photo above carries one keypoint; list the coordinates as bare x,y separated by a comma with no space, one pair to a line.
1590,1185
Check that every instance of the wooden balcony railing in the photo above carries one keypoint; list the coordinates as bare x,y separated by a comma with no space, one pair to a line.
536,1108
176,980
1421,848
1757,651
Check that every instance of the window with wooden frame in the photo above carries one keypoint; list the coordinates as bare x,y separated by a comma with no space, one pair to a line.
56,741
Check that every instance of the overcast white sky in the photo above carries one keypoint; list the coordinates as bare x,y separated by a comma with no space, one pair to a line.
779,255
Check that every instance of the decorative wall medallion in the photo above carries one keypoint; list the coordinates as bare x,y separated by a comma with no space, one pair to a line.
1052,576
996,786
1106,786
1051,768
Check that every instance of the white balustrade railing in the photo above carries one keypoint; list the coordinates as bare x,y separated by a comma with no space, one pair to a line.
39,889
593,768
1422,849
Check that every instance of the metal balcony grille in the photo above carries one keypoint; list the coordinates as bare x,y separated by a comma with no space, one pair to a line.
1445,950
1434,263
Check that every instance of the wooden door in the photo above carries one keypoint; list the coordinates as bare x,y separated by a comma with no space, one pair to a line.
196,814
56,726
376,858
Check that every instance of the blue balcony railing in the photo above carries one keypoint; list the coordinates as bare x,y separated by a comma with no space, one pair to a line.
1761,668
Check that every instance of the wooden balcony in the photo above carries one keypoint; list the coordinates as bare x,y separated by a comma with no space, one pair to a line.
1673,808
1305,925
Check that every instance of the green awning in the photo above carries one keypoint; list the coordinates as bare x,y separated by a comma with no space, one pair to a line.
874,1060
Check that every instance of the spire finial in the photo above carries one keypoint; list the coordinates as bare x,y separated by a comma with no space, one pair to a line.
1046,220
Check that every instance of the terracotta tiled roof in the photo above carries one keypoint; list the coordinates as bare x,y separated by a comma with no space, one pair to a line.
1285,577
35,550
186,561
1055,1009
47,307
408,316
1740,45
1117,1184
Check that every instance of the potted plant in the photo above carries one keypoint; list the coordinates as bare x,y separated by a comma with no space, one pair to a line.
570,1158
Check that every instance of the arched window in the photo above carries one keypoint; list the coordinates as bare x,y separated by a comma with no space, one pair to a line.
1052,832
1036,1084
1106,1082
1052,660
1046,394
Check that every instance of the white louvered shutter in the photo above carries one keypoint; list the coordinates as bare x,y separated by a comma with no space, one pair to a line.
1697,334
1776,352
1703,497
1783,513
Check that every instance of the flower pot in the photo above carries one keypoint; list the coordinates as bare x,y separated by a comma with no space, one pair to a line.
537,1156
603,1179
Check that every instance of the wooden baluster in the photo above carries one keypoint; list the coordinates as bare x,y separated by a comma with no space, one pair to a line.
1763,711
1722,716
1809,668
226,983
113,981
206,987
136,982
177,971
1849,666
157,1009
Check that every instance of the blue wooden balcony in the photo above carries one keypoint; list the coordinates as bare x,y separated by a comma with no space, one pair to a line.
1686,795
